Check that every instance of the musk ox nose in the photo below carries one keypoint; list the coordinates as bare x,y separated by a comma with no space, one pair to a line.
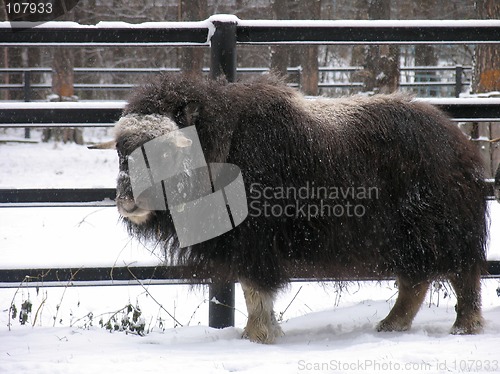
126,205
128,208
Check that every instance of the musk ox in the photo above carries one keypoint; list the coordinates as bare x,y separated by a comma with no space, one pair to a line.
339,188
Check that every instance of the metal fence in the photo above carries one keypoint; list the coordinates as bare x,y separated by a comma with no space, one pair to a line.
221,34
457,79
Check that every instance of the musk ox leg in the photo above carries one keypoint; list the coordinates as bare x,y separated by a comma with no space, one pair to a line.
262,326
410,297
467,286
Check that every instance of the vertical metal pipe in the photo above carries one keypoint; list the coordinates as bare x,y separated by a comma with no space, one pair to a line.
221,307
223,50
459,69
27,97
222,62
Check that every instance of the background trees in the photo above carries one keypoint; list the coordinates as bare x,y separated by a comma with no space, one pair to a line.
486,79
379,66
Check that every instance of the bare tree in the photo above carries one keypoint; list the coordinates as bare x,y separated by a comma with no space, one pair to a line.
63,77
309,54
425,54
487,56
191,59
280,55
63,90
382,61
487,79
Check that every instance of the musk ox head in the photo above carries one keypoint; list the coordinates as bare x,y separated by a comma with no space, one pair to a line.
132,132
162,109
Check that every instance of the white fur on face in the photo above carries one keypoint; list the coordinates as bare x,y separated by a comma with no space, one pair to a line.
133,127
139,219
154,125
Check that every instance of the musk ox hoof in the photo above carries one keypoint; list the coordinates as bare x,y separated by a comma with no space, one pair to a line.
472,328
262,334
388,325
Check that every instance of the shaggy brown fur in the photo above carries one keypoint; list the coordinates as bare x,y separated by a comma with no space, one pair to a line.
426,221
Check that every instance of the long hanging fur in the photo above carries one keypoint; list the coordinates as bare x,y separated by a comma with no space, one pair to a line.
427,218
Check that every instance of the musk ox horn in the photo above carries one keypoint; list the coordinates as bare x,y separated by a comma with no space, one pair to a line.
182,142
107,145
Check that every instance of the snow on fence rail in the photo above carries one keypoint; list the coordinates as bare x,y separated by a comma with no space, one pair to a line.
251,32
222,33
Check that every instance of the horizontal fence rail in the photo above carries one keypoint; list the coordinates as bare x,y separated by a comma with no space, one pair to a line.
222,34
73,197
362,32
105,34
28,86
98,276
70,197
78,114
131,275
251,32
81,114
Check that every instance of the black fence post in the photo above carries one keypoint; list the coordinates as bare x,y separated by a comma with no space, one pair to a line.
223,50
459,70
27,97
222,62
221,307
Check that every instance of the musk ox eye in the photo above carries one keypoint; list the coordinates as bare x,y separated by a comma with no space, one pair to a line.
123,163
188,114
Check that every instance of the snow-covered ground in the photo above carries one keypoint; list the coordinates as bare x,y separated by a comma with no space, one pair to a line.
328,327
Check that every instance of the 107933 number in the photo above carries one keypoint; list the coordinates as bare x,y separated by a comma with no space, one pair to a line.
28,8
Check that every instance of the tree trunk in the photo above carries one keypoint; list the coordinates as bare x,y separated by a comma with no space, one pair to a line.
381,67
309,54
425,54
487,79
191,59
487,56
280,53
63,90
358,54
62,77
